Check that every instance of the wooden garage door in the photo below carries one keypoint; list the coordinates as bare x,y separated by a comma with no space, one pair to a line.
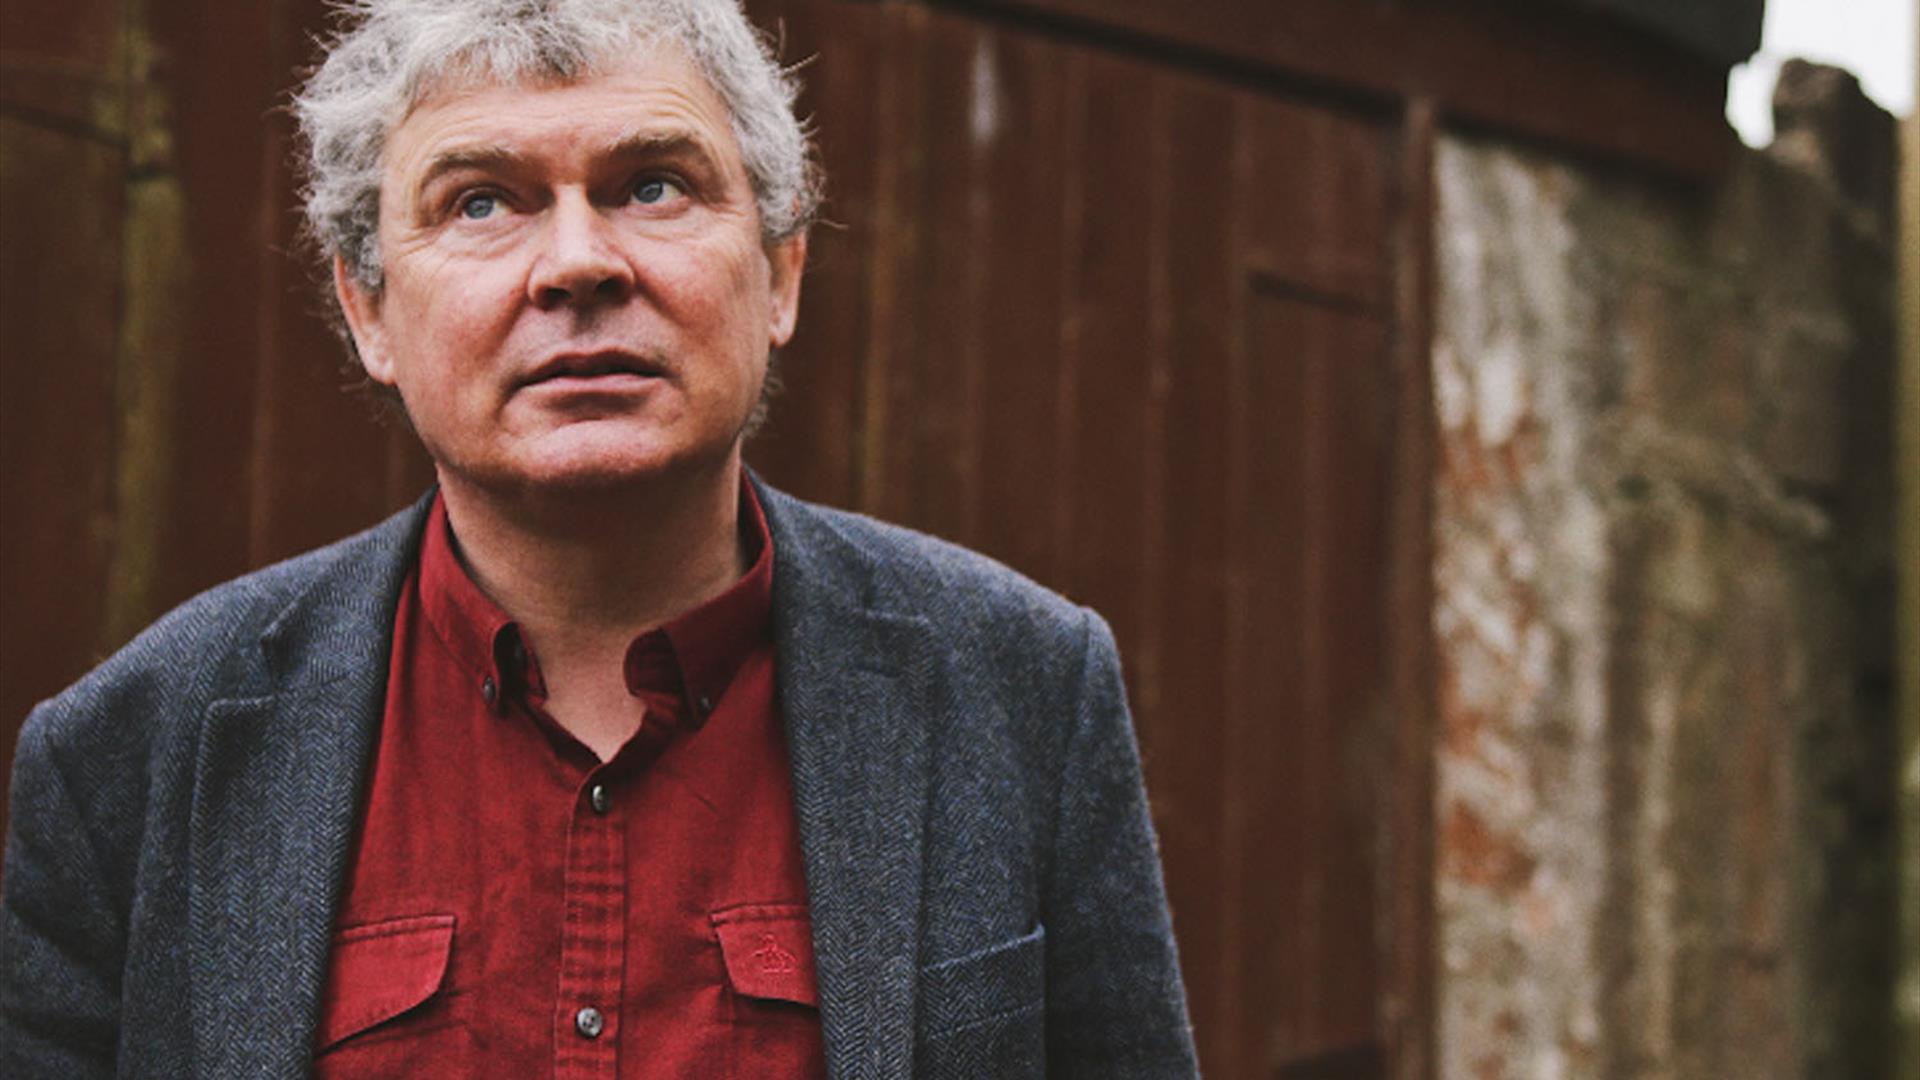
1126,325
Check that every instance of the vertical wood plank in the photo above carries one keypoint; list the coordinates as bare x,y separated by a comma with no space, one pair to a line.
1024,242
1237,780
1313,631
321,457
1281,883
1185,736
1407,868
1352,502
219,95
1316,252
812,441
940,444
898,244
65,203
1061,518
1108,323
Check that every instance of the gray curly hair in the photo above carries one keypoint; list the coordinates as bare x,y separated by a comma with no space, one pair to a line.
389,54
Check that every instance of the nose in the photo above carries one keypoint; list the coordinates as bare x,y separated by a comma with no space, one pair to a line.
580,262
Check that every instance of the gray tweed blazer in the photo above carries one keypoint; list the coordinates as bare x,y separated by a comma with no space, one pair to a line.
985,895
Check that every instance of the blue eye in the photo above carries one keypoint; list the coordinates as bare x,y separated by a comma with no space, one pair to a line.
479,207
654,189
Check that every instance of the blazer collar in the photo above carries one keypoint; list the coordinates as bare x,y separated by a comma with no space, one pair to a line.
276,783
856,683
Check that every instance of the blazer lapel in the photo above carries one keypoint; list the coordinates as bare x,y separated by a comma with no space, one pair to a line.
855,689
276,784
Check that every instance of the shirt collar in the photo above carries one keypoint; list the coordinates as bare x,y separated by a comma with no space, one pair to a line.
713,640
480,636
707,644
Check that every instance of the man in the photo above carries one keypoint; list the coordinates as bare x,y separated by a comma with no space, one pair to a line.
604,759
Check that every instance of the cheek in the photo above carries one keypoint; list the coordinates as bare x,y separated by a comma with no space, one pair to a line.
718,285
458,308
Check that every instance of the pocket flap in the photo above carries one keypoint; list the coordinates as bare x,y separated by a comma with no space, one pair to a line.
769,951
380,970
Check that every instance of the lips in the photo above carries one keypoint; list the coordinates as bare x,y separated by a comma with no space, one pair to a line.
594,365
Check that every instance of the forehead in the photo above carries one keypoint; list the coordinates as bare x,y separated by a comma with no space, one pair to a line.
652,94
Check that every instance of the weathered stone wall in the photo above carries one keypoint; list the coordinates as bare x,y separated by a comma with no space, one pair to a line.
1663,605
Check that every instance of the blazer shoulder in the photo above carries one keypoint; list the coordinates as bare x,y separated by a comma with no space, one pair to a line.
957,590
208,647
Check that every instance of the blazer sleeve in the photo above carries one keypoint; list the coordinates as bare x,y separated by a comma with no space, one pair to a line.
61,940
1115,1005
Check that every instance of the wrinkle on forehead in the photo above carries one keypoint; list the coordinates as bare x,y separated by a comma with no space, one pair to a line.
675,105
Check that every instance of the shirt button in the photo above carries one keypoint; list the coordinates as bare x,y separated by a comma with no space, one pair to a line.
704,705
488,691
598,798
589,1022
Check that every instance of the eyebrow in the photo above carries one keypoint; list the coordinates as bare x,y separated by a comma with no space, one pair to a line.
480,158
639,144
671,143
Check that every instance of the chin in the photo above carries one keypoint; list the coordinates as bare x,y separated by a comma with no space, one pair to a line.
589,459
625,464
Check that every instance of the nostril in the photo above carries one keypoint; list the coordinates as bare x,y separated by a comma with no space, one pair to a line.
609,289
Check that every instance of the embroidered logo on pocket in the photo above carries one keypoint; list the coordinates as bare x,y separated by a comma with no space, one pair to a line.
768,951
773,959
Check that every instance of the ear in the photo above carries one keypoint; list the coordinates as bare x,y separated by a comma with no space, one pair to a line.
786,260
361,306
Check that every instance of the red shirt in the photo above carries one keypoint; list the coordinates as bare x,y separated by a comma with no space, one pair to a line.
516,908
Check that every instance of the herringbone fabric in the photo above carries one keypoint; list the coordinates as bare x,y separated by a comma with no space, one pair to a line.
985,896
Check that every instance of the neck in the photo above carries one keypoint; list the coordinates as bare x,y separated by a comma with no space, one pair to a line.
603,565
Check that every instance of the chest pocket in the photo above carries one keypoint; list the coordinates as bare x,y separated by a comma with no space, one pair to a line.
379,971
984,1013
774,1004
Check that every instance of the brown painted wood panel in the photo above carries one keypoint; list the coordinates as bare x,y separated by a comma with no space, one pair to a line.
813,438
84,38
1127,327
211,361
1105,359
1187,744
322,462
219,100
1307,759
64,201
936,436
1022,110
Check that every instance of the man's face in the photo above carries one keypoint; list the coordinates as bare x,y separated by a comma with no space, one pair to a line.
576,290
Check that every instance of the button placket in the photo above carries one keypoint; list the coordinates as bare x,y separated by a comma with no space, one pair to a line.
593,942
